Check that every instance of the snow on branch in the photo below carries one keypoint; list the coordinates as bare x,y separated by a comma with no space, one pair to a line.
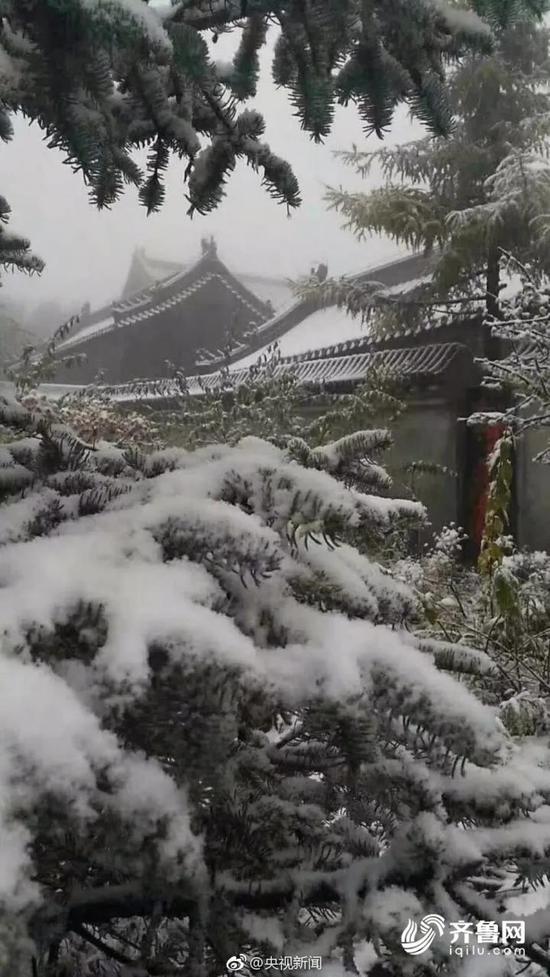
130,75
209,704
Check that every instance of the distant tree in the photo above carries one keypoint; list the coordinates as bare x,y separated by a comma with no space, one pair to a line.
475,200
13,338
104,77
38,362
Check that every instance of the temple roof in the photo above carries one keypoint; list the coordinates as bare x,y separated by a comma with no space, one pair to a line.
277,291
437,364
302,327
173,290
152,286
145,270
318,330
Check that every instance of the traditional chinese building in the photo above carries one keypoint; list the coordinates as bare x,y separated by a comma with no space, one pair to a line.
203,316
168,315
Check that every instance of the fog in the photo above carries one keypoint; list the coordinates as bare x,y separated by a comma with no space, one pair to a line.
87,252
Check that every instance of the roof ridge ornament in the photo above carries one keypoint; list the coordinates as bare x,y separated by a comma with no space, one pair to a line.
209,247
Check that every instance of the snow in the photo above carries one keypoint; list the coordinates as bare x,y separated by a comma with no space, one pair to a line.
531,901
11,72
407,286
363,649
513,284
24,510
320,559
462,657
87,331
156,270
323,328
523,776
146,17
275,290
63,756
54,391
487,966
170,563
261,929
461,20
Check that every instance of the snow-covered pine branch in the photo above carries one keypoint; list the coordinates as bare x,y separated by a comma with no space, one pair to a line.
105,77
203,717
463,199
15,251
522,371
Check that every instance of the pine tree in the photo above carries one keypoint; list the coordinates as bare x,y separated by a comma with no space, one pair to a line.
521,374
104,77
15,251
475,201
216,736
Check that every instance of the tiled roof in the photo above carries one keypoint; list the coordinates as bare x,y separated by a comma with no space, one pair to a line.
252,290
148,277
317,331
94,328
394,276
306,330
430,364
144,271
156,299
268,288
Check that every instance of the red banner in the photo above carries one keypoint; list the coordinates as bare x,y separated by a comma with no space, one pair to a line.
487,441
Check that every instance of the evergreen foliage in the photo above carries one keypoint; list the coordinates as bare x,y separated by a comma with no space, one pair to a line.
104,77
96,418
521,374
490,623
15,251
253,756
270,403
474,201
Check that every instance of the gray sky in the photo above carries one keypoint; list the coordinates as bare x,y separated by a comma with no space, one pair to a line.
87,253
